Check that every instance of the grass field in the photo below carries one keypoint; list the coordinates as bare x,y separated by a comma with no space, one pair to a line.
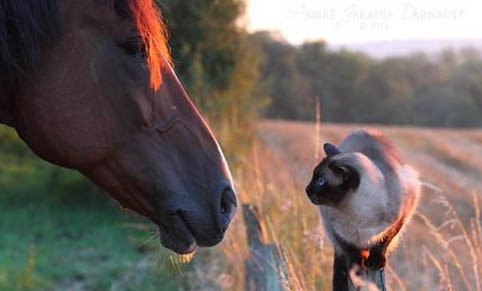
442,247
59,233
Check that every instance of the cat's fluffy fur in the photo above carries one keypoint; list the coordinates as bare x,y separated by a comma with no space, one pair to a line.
365,194
388,190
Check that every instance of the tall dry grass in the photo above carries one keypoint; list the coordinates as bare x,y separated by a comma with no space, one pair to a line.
291,223
440,250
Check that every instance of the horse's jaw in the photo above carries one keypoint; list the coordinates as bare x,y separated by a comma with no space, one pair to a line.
174,233
147,176
7,109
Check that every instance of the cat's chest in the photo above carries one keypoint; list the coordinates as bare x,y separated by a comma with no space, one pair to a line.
357,227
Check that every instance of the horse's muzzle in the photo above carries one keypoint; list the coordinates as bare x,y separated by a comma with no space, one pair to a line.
185,230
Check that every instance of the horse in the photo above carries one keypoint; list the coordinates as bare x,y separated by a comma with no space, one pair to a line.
89,85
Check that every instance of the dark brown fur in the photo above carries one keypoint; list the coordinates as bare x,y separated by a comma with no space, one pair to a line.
81,84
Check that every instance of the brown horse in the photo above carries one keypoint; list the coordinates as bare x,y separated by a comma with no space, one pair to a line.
88,85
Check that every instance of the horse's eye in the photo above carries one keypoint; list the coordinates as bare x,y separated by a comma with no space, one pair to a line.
320,182
134,47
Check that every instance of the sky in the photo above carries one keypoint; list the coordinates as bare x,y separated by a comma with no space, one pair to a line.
347,22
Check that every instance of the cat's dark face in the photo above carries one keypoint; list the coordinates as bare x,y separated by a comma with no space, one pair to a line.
332,179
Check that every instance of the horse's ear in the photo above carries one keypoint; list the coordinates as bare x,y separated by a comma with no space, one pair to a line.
331,150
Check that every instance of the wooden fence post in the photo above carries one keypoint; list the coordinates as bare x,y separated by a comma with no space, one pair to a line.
265,269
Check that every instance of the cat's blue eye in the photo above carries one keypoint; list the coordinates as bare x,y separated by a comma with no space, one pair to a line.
320,182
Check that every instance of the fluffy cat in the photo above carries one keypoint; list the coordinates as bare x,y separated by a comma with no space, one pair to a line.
365,194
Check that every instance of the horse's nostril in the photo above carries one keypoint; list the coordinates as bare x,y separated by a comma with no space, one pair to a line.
227,206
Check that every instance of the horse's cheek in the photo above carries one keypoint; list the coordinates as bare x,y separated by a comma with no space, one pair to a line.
63,127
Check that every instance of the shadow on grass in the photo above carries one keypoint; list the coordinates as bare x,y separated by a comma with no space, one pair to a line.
58,232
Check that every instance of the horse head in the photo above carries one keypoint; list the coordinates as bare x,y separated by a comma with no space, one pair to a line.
97,93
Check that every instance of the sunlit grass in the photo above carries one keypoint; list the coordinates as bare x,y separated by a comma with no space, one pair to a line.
440,250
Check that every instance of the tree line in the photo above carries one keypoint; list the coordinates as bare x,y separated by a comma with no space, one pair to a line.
233,76
443,90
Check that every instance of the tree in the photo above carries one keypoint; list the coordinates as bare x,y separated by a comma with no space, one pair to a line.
217,63
290,93
443,90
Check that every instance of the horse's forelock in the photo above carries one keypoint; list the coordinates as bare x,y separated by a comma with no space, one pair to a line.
154,35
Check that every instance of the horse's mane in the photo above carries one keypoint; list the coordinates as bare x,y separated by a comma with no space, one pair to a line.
26,26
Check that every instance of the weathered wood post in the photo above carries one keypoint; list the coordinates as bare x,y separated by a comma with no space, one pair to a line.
265,269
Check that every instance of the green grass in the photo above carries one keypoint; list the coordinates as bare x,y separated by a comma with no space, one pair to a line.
59,232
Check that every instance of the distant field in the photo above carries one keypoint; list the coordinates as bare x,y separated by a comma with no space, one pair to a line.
435,251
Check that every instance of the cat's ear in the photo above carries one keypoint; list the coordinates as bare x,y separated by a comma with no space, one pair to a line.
350,175
341,171
331,150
